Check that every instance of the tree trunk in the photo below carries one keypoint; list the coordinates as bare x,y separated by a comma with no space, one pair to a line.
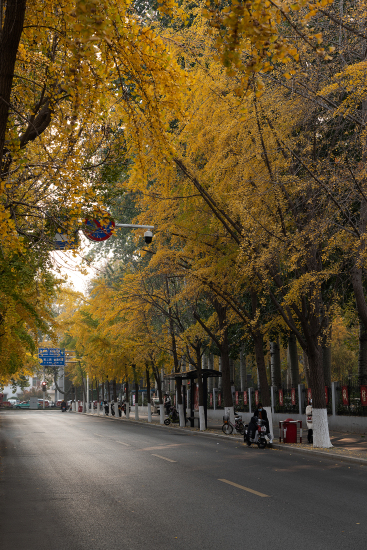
114,390
292,356
9,42
136,400
326,355
275,369
319,413
362,354
260,362
219,379
108,392
326,362
306,368
226,372
174,347
147,374
243,377
197,349
127,399
157,377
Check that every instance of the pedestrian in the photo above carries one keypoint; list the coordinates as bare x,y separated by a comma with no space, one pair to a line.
167,403
309,422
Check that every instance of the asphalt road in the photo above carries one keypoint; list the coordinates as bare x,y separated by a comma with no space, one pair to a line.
79,482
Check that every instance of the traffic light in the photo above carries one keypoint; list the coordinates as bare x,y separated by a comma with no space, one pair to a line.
44,386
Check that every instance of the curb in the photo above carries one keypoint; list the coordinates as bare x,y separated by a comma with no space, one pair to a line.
330,456
236,439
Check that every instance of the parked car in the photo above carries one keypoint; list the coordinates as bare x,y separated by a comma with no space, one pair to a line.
25,405
22,405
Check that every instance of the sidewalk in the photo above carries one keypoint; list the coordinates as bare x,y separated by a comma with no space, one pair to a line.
348,447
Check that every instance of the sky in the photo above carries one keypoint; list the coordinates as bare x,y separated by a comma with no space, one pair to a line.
69,263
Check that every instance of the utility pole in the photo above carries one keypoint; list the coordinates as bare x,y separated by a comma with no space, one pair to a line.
43,388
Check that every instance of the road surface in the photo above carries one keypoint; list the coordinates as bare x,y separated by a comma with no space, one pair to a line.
77,482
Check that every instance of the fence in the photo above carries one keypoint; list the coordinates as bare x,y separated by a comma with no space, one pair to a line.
352,398
286,400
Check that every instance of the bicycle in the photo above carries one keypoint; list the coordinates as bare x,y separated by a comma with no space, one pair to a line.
227,427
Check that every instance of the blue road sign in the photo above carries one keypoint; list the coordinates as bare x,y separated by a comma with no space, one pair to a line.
65,241
52,356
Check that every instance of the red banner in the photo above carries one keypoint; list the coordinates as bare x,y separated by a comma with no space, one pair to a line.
345,395
256,397
236,397
211,399
326,395
309,395
281,398
245,397
293,396
364,396
219,399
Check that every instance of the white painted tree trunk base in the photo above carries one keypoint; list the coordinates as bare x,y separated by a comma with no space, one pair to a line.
320,427
109,409
161,415
116,409
149,412
270,418
136,411
202,418
181,414
127,411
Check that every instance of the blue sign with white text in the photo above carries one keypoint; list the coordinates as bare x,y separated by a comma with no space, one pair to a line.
52,356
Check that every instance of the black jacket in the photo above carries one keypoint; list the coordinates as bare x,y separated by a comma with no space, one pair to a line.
264,414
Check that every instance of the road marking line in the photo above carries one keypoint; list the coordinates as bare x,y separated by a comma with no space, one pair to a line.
99,435
122,443
158,447
244,488
164,458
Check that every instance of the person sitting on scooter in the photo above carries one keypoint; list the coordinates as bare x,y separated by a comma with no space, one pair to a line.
261,414
167,403
63,405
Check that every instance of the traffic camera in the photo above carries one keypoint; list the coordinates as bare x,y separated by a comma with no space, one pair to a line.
148,236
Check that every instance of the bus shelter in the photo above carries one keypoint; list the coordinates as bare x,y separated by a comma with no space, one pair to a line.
193,375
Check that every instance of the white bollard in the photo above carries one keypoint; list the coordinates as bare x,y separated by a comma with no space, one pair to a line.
161,408
181,414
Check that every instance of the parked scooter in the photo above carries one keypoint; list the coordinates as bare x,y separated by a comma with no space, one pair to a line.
172,417
261,438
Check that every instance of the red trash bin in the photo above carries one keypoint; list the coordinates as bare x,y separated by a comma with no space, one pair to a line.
290,431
